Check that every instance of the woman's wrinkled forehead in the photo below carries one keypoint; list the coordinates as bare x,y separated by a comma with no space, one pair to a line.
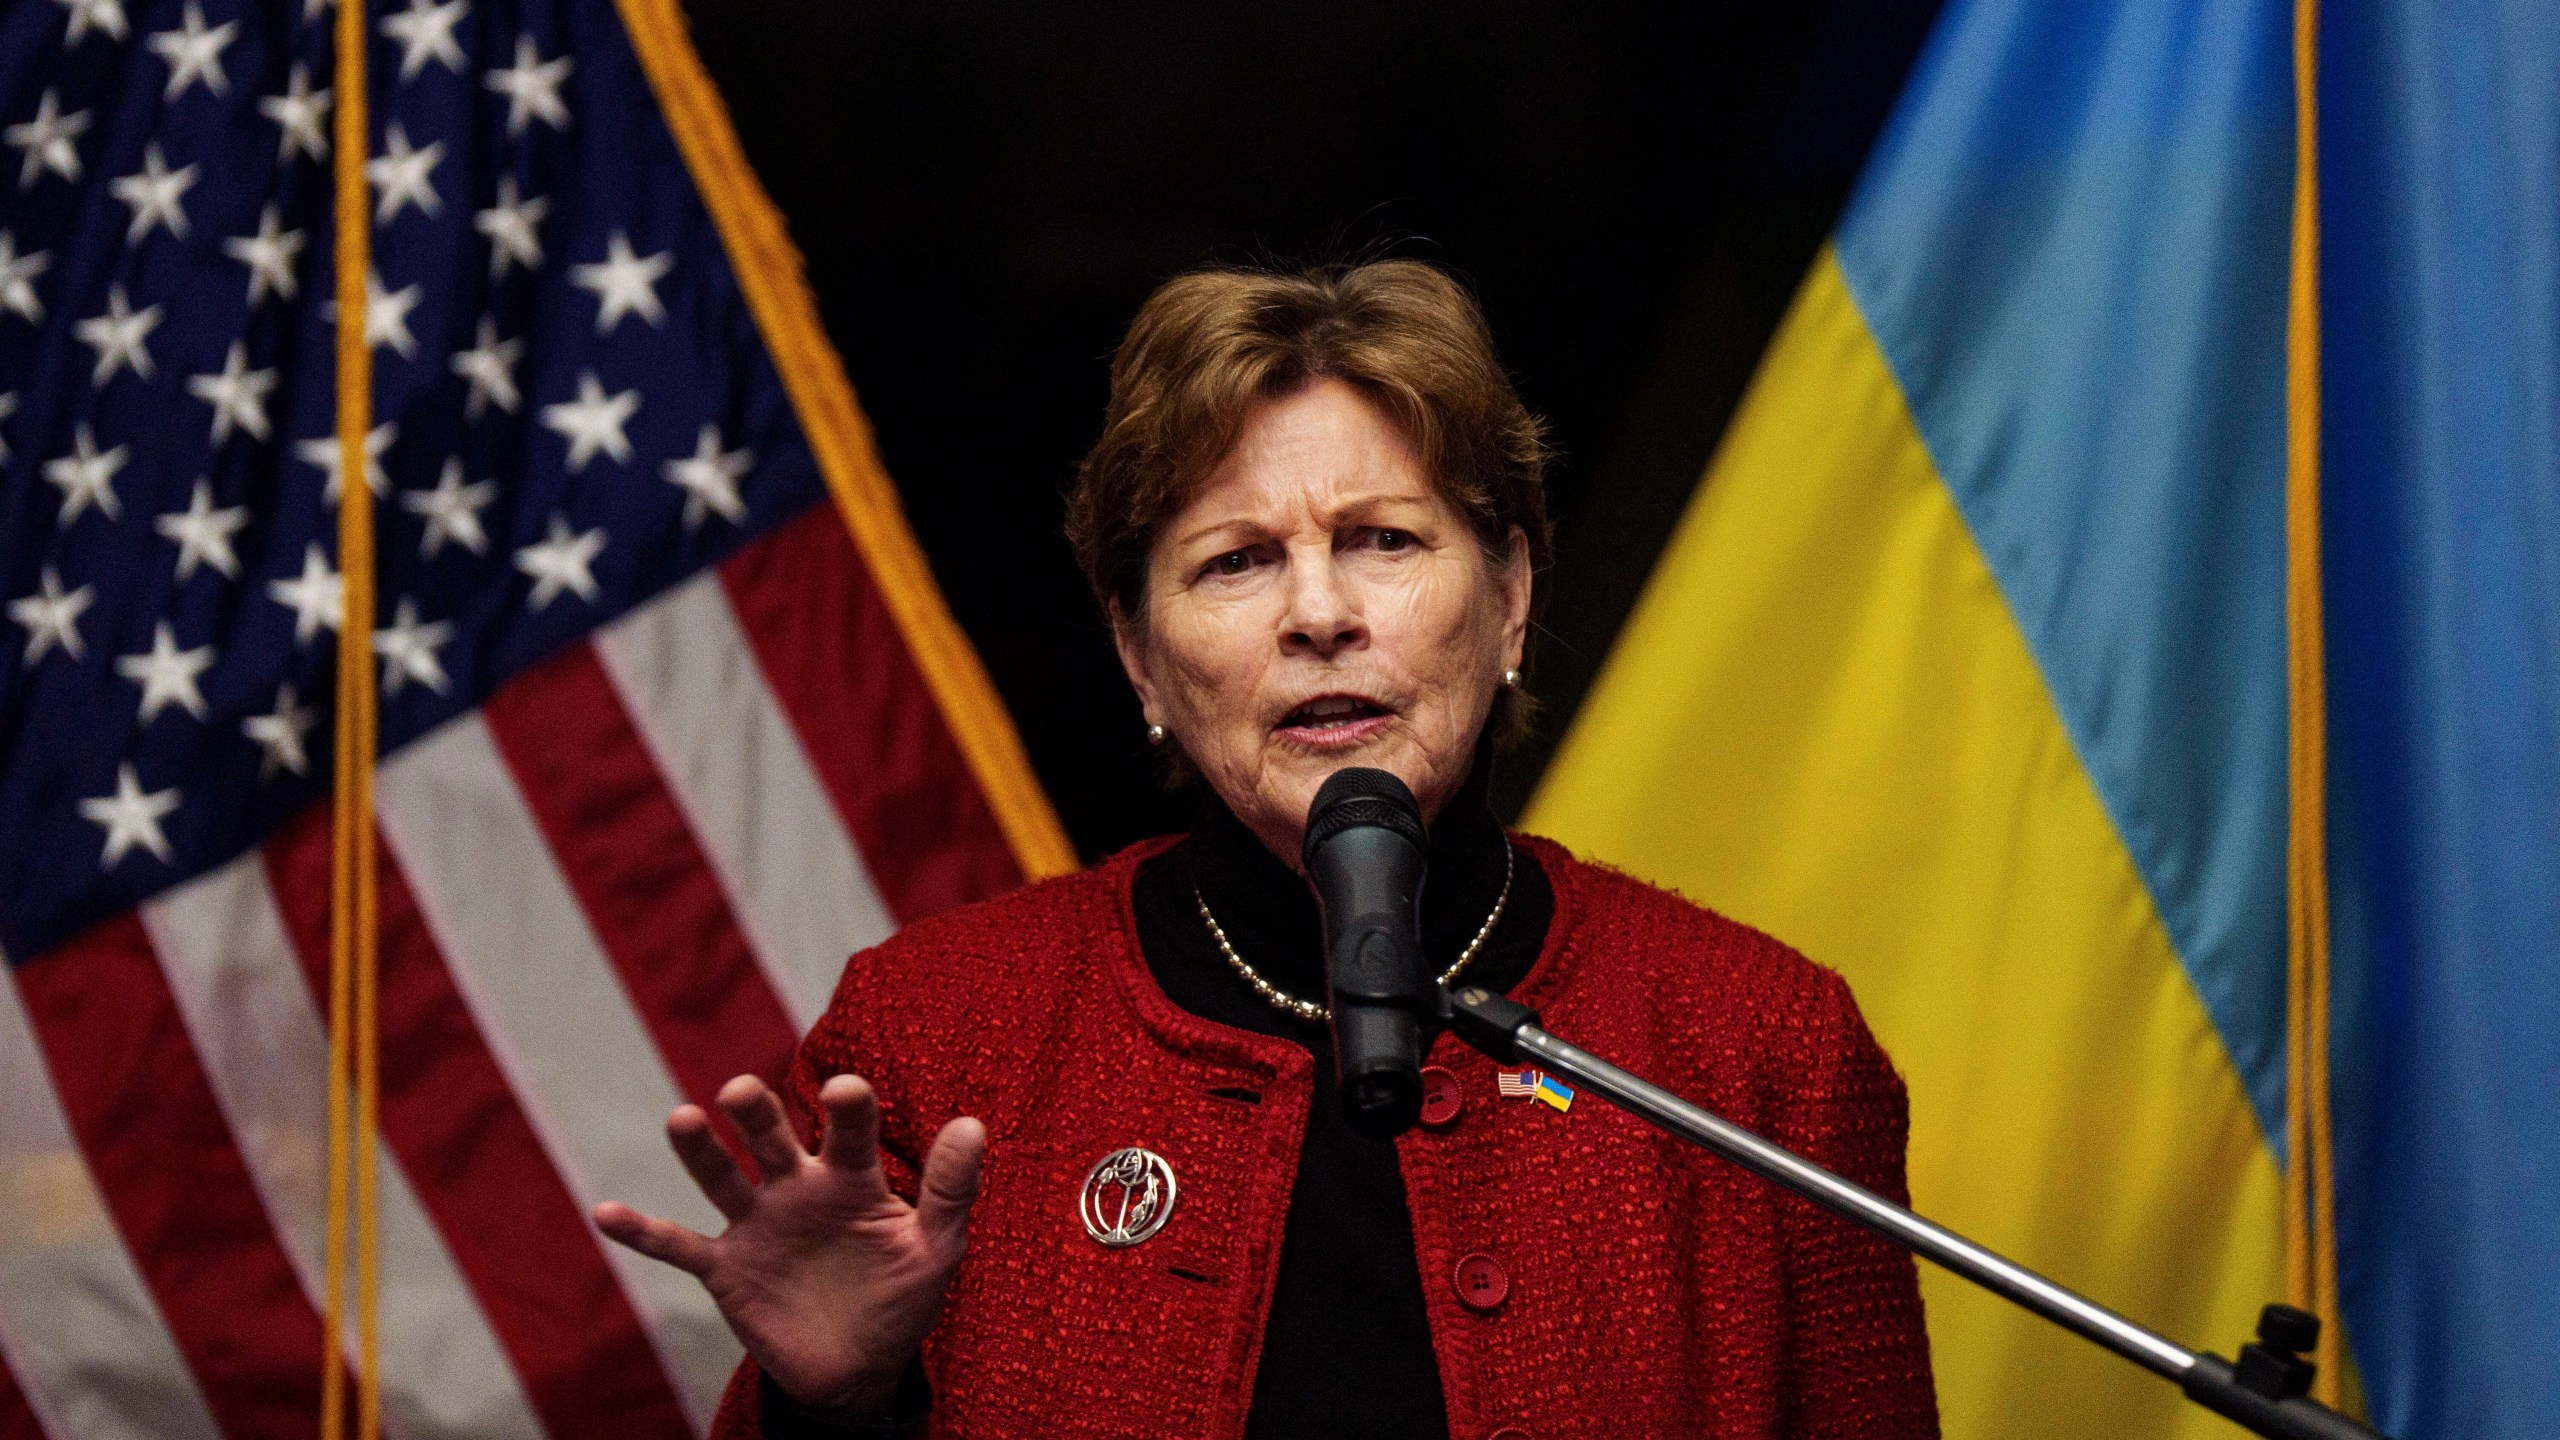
1319,458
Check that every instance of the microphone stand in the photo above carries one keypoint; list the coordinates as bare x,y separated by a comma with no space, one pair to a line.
2264,1391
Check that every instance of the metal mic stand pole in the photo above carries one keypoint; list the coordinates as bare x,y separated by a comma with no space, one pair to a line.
2264,1391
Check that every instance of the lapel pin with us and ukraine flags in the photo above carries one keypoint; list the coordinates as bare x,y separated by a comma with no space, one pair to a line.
1534,1085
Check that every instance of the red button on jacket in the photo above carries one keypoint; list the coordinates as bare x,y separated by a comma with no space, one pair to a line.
1441,1097
1482,1284
1035,1012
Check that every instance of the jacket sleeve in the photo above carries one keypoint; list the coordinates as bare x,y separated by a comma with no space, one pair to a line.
753,1407
1859,1355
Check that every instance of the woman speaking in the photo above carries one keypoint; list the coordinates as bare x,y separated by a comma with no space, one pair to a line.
1067,1162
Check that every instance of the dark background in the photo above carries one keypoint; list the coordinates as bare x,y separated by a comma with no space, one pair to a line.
984,195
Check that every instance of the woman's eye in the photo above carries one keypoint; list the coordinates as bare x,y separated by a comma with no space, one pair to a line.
1234,562
1394,540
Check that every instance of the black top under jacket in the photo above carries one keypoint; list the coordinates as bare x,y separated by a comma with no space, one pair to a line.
1347,1352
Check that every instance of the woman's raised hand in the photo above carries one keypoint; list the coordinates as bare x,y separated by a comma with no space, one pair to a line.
828,1278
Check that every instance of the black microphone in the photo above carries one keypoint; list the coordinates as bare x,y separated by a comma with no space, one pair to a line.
1365,854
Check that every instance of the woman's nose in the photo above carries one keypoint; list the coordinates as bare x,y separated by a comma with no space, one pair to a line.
1323,617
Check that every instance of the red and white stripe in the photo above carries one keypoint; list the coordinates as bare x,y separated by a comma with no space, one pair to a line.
633,873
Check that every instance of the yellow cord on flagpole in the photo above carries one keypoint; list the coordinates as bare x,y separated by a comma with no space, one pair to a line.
777,294
2311,1249
354,958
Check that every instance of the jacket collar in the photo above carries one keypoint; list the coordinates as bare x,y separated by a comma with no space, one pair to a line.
1269,1057
1270,914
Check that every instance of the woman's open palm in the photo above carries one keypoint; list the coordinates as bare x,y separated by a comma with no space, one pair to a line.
827,1276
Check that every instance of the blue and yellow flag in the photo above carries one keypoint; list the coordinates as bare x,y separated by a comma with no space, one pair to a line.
1995,665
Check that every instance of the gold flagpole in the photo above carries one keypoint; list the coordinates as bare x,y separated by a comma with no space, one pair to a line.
2311,1252
353,951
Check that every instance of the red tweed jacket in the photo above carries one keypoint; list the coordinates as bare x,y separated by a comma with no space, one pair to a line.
1625,1287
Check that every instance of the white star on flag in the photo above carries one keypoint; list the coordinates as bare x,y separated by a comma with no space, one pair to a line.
509,224
323,452
121,337
386,315
532,88
408,650
47,139
238,395
86,477
156,194
565,561
401,174
623,283
270,256
593,422
52,617
317,596
425,32
17,278
489,367
194,53
167,674
710,478
104,16
452,511
298,114
204,533
131,818
281,734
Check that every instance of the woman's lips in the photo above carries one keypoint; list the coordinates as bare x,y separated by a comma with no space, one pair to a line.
1337,734
1333,721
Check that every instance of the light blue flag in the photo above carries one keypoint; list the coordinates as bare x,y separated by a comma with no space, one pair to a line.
2440,221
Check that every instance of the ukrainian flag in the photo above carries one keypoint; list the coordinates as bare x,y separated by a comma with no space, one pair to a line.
1554,1092
2021,658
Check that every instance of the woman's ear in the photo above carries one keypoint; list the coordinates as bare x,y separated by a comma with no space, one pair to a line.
1516,582
1130,640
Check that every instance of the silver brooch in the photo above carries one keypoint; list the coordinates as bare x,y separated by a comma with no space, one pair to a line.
1127,1197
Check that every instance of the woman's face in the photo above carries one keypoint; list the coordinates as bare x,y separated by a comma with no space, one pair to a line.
1318,605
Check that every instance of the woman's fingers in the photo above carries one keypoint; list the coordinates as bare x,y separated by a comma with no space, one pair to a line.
852,1141
951,1170
758,1114
689,1132
660,1240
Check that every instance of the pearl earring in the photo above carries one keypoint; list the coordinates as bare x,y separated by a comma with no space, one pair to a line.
1510,679
1155,735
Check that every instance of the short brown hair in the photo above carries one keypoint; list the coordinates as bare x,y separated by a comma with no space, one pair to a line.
1208,346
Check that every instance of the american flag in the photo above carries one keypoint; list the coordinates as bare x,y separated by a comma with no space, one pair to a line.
1533,1085
671,718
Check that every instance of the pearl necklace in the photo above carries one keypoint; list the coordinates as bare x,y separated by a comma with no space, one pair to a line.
1288,1004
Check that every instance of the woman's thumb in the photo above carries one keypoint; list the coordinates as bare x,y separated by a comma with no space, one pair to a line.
951,1170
